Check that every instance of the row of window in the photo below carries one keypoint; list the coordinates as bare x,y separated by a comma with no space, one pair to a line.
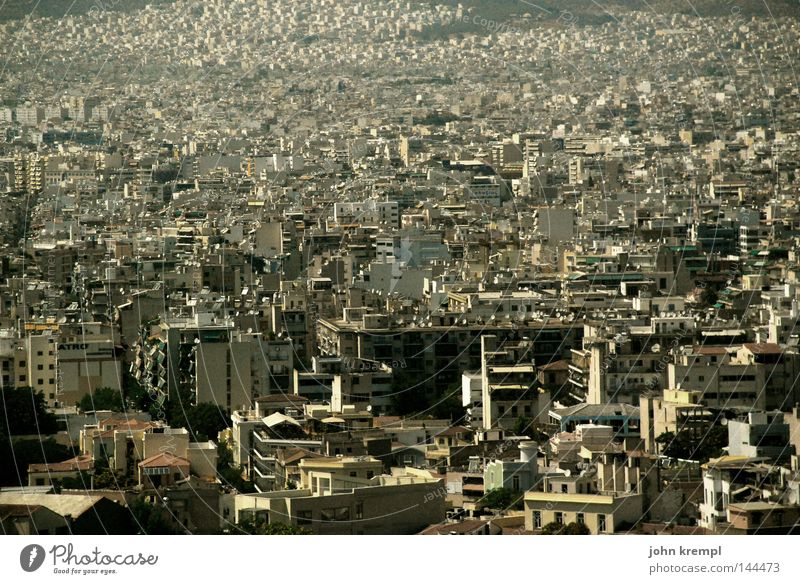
331,514
580,519
24,378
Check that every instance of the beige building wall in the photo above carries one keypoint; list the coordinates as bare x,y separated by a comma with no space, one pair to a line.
36,366
615,511
224,375
375,510
85,366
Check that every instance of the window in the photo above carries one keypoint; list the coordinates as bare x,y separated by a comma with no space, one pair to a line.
353,473
515,483
601,523
370,474
579,519
40,367
559,517
303,517
336,514
564,488
537,519
360,510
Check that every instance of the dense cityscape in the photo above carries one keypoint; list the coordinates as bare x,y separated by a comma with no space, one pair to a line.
351,267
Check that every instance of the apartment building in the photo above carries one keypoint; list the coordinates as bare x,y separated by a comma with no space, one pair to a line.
337,503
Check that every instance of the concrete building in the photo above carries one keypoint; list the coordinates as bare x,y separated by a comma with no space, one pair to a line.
733,480
338,505
762,435
674,411
510,388
601,514
517,475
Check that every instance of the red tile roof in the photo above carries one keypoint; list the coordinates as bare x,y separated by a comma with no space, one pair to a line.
82,462
763,348
163,459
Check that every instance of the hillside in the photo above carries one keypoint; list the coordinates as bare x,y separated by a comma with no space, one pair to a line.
15,10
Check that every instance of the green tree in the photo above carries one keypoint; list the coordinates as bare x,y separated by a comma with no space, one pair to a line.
135,396
16,455
686,445
82,482
149,519
576,529
229,474
203,421
522,427
502,499
573,528
252,527
103,398
23,412
107,478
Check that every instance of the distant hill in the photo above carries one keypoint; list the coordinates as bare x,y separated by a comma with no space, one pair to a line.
509,13
18,9
597,11
586,11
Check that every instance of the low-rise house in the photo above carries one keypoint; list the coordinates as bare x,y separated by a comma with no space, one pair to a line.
732,480
80,514
31,520
762,434
763,517
516,475
400,504
55,472
162,470
600,513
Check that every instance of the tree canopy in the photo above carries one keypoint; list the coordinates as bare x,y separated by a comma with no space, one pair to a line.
23,412
149,519
17,454
502,498
573,528
229,474
687,446
252,527
203,421
103,398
